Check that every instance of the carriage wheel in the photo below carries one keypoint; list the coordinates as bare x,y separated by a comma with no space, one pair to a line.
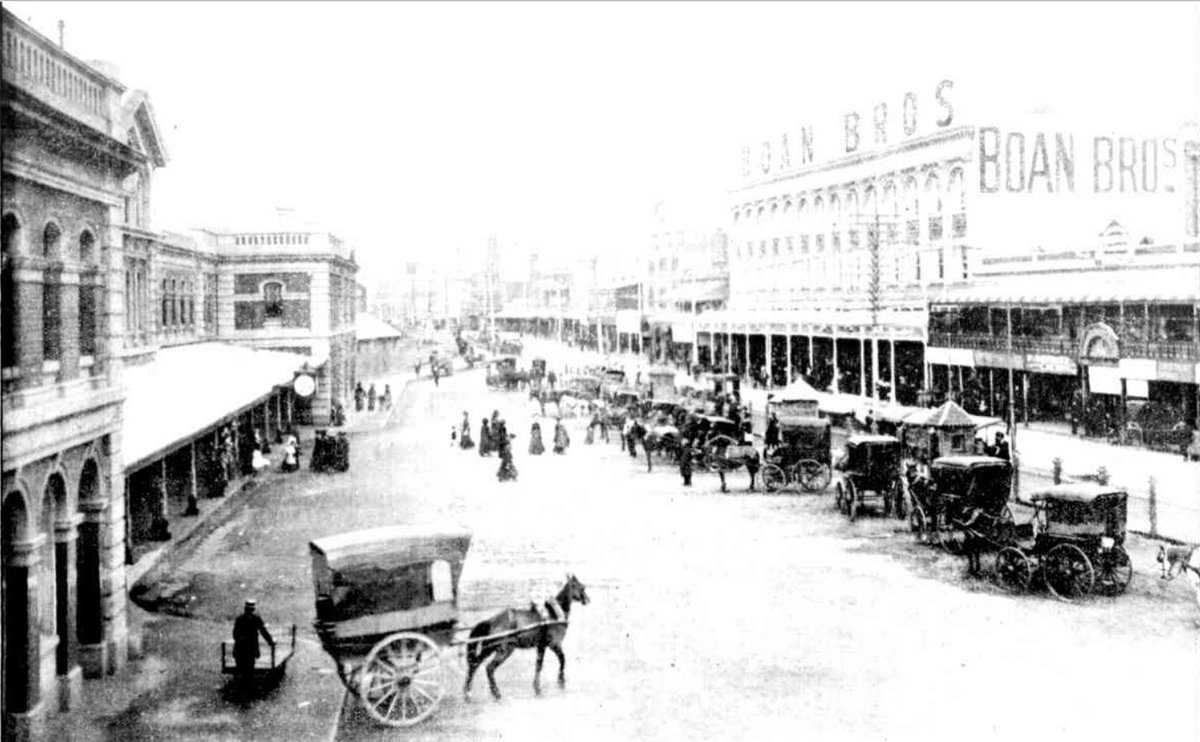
814,476
402,679
839,498
1113,571
773,478
1068,572
1004,528
853,500
1014,571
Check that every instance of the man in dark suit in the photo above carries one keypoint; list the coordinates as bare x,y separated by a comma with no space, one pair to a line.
246,630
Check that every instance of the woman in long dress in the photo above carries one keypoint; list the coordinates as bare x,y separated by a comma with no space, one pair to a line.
464,435
535,440
485,438
507,471
561,439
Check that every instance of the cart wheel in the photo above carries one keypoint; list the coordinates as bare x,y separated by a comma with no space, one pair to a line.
839,498
853,497
773,478
1113,571
1014,571
814,476
1068,572
402,679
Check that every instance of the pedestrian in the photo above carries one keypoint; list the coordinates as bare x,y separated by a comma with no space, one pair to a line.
387,396
485,438
337,415
508,470
417,368
464,437
453,435
535,440
1001,447
291,454
359,397
371,397
973,541
551,379
258,462
771,438
434,370
246,630
260,440
647,448
561,439
626,427
683,456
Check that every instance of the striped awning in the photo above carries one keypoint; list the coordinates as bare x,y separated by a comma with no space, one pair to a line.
1176,284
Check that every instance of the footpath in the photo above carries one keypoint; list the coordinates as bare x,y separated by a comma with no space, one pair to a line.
1164,490
173,689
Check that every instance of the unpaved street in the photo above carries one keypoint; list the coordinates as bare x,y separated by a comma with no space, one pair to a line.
739,616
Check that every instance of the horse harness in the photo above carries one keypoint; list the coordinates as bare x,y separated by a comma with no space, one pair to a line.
549,612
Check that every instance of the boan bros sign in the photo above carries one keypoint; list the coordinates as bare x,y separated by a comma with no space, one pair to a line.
1062,162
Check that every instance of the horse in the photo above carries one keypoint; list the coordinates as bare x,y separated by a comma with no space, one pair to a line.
524,629
1176,559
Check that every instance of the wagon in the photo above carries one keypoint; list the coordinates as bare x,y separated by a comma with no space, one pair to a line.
502,372
870,474
387,613
1074,543
958,484
803,456
721,444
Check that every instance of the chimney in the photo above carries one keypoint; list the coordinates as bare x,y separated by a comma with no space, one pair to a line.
61,25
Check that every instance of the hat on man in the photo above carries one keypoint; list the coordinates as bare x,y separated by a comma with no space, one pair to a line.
251,603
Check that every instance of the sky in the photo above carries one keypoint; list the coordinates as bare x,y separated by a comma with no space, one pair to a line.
416,130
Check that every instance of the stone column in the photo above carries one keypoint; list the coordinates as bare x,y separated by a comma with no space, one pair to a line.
892,370
193,505
70,676
811,353
93,654
837,386
875,369
862,367
24,711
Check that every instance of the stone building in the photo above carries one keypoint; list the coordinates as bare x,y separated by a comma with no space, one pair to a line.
77,150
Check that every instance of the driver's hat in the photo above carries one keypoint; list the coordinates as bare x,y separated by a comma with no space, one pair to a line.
251,603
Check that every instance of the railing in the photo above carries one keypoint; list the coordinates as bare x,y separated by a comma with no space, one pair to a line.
36,65
1066,346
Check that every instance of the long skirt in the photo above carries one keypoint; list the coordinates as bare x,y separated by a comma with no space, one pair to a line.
464,440
590,438
535,446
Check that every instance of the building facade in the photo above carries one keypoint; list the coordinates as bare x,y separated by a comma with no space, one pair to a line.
77,153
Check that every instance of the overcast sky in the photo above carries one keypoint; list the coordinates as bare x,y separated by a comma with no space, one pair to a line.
418,129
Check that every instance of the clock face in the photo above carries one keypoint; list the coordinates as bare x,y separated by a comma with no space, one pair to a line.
304,385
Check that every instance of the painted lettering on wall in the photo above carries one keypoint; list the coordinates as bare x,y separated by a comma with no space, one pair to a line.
1046,162
888,123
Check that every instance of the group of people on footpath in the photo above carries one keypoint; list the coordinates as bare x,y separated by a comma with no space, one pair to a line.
369,398
495,438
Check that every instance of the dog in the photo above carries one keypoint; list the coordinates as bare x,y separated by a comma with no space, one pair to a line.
1176,560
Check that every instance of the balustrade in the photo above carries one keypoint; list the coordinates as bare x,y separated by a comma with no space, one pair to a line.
38,66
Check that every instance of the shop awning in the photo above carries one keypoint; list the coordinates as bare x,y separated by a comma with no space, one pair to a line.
187,389
1174,284
370,327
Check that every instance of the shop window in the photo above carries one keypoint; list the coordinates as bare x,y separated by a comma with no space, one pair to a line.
273,300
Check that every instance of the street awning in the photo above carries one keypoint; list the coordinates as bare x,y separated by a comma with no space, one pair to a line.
370,327
190,388
1127,284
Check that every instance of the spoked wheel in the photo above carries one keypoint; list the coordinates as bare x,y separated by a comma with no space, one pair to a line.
853,497
839,498
814,476
402,680
1068,572
774,478
1113,571
1004,528
1014,571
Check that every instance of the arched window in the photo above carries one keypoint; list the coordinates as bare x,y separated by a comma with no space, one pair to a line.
802,218
51,236
932,205
911,211
166,303
835,221
818,221
86,246
956,197
273,300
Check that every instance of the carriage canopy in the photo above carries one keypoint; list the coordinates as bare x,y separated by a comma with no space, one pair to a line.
1084,509
384,570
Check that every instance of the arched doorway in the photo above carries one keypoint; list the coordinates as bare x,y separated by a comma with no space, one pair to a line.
19,649
89,609
58,619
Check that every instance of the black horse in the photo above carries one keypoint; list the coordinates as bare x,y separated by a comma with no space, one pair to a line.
524,629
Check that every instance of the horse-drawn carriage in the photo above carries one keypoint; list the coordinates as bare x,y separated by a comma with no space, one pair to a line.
722,444
502,373
958,484
582,387
803,456
1074,542
387,613
870,473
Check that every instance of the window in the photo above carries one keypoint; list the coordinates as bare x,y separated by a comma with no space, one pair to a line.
51,319
273,299
86,246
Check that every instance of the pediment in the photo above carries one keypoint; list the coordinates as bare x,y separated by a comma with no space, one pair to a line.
144,127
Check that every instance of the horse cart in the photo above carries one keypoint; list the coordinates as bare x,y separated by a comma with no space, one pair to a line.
387,613
957,486
870,474
502,373
1074,543
803,457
